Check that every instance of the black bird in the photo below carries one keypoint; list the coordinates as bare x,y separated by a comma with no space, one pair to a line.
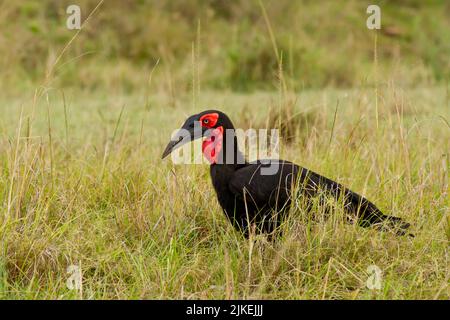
252,198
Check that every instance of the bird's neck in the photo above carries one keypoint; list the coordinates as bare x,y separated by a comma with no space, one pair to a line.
221,148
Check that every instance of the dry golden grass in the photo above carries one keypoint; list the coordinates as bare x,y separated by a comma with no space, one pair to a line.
90,189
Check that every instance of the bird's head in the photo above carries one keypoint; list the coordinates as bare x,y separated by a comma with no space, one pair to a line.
208,124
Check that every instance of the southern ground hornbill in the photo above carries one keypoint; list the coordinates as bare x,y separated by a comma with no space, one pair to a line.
251,197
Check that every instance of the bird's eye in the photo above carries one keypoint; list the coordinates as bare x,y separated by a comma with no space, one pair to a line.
205,121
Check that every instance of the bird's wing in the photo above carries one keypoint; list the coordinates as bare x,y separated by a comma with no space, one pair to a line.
251,185
264,182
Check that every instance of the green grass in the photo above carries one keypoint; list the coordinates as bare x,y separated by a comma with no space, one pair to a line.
90,189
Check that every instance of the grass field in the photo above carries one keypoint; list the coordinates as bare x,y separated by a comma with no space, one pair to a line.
84,123
83,184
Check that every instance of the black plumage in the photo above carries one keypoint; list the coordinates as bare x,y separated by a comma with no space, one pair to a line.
250,198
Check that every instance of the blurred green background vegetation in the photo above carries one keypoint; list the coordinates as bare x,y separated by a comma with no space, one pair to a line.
224,44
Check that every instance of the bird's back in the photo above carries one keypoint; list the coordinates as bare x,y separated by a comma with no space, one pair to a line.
254,191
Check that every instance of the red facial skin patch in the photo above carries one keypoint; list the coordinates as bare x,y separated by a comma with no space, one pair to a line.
213,144
209,120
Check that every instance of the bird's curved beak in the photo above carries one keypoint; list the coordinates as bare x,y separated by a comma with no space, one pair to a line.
190,131
172,145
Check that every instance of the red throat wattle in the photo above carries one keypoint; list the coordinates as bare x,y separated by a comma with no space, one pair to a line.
212,145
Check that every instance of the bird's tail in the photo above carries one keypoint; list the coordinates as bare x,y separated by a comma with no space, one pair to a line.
369,215
358,207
